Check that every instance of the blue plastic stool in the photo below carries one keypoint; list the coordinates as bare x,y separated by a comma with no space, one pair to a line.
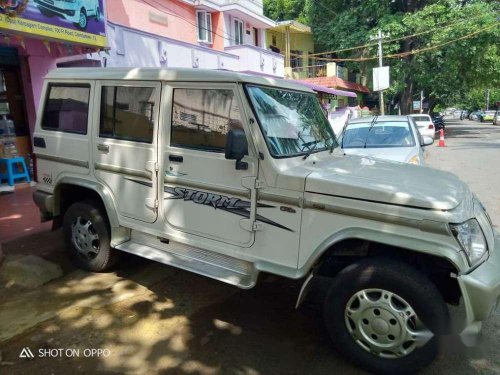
15,169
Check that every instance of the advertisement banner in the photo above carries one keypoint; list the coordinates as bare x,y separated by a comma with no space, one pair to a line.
79,21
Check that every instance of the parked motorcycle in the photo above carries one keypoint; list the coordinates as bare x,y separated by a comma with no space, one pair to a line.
438,121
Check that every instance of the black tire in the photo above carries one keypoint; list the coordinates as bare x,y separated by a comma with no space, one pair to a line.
102,257
396,277
83,17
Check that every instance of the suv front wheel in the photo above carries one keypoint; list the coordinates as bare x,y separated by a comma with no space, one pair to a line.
87,234
385,316
82,19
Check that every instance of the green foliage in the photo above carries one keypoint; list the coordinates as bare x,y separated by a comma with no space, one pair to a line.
448,74
284,10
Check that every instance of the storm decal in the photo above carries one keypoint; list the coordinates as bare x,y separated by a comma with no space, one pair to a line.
232,205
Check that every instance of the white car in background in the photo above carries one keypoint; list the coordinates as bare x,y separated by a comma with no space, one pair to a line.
393,138
76,11
424,124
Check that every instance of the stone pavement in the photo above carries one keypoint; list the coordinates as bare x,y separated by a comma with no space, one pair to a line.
19,215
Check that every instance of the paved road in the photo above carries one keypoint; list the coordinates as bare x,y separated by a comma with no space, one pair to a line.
472,152
155,318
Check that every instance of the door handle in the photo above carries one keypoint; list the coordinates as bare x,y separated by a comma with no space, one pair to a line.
176,158
102,147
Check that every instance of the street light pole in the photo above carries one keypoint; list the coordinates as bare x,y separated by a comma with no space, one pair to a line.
381,92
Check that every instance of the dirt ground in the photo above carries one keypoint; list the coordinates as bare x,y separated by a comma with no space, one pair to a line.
148,318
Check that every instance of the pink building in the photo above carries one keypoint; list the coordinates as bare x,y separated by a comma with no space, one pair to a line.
39,35
34,36
215,34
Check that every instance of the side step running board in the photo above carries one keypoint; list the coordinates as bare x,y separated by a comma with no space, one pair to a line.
203,262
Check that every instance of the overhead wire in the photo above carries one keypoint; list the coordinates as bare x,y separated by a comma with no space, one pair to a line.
407,53
395,39
171,12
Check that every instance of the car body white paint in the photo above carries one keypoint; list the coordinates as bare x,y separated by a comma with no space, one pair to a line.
423,126
296,209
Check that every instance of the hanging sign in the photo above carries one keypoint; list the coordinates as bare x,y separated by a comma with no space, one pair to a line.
380,78
67,21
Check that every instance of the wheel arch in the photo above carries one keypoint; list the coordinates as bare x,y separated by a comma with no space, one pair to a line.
330,245
73,189
351,244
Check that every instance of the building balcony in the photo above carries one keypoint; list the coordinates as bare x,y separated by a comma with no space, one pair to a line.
258,60
327,75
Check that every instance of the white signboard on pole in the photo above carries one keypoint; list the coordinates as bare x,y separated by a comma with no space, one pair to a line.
380,78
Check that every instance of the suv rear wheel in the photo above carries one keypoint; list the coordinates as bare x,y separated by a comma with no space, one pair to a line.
87,234
384,316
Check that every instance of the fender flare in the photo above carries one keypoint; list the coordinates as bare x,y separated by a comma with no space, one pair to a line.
420,245
119,234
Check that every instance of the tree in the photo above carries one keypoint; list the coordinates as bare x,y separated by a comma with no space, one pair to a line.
284,10
445,73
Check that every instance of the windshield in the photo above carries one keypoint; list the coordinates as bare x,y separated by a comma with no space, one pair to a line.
292,122
382,134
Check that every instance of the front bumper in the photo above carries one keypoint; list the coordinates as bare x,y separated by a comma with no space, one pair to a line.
69,14
481,293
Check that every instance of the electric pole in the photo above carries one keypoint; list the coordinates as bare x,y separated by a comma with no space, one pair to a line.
487,99
381,92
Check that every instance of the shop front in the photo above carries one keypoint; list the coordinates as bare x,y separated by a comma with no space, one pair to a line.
34,36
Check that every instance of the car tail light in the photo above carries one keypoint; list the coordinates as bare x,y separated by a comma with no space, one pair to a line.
430,126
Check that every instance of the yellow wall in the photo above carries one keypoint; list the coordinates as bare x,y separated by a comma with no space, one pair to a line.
299,42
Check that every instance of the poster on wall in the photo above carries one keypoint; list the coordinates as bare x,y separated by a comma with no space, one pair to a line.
78,21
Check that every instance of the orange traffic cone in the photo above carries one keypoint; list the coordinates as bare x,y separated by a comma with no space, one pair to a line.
441,138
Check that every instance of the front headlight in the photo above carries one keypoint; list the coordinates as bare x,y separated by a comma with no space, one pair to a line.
470,235
414,160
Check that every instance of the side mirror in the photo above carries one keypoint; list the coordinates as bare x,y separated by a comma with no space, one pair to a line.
426,141
237,147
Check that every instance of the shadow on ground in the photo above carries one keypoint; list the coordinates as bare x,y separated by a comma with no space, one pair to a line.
157,319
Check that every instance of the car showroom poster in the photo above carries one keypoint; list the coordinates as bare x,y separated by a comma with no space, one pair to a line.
78,21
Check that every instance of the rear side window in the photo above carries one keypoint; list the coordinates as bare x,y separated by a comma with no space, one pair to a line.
66,108
201,118
127,113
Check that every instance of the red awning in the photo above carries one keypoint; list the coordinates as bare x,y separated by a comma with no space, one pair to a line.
326,90
338,83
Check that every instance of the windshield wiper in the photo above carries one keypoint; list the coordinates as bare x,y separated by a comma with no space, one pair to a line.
369,130
310,150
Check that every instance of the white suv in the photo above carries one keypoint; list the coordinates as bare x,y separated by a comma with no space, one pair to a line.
76,11
230,175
